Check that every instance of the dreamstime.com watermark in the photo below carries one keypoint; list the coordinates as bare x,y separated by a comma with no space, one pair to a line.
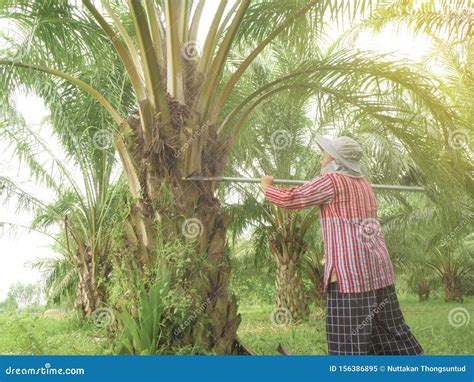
456,229
44,370
193,137
103,317
281,316
102,139
370,317
192,318
364,323
280,139
278,231
368,231
192,228
191,50
458,317
458,138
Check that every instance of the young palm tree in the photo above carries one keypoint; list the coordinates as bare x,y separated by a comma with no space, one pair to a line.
454,19
83,212
449,25
183,123
61,279
276,140
443,251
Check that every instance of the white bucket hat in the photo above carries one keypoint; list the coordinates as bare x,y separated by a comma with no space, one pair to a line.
344,149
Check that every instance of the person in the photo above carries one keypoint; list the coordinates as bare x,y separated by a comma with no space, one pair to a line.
363,314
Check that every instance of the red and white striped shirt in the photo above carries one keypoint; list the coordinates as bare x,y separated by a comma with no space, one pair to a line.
354,244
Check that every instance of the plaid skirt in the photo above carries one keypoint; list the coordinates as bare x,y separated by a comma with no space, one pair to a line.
367,323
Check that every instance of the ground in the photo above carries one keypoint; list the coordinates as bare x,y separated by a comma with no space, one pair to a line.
33,334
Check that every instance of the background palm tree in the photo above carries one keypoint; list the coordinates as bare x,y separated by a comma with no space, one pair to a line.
61,279
447,224
83,211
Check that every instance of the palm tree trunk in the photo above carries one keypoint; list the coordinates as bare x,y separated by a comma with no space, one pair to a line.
290,293
88,295
216,327
189,212
423,290
452,288
319,294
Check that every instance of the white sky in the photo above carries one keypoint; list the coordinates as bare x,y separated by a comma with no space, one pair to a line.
19,250
20,247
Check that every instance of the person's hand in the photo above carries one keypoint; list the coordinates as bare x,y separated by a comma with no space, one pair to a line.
266,181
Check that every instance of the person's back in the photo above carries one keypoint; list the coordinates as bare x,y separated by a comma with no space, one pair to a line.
353,241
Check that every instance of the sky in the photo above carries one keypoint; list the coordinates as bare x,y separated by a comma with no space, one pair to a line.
20,248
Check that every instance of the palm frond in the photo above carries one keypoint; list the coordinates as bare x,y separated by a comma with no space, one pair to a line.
452,19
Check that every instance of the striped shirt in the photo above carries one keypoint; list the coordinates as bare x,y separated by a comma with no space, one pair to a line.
354,244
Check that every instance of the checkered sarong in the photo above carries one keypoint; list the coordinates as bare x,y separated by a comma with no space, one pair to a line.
367,323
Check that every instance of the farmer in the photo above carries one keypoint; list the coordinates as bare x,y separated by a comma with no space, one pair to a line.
363,315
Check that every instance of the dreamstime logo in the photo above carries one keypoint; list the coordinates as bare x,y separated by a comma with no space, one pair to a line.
458,317
196,134
458,139
369,229
281,316
192,228
102,139
378,308
191,50
192,318
466,220
103,317
280,139
278,231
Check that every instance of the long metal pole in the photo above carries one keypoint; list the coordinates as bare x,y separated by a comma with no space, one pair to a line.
376,187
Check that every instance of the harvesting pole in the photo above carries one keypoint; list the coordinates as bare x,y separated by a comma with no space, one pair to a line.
228,179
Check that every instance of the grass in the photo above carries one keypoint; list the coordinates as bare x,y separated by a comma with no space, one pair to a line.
34,334
428,321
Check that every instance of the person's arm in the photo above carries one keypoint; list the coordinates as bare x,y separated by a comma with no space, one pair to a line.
318,191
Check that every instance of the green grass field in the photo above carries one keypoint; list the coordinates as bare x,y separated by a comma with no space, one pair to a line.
428,321
33,334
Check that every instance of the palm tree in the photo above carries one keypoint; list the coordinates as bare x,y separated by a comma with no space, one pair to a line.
61,279
313,265
184,123
436,250
276,139
84,212
449,25
453,18
453,268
